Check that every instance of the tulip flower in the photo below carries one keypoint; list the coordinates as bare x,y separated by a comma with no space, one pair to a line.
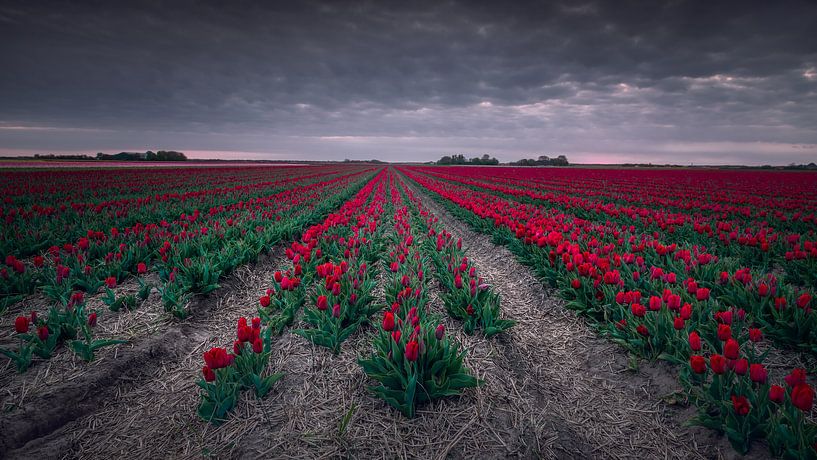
694,341
439,332
388,321
323,303
741,366
796,377
741,405
777,394
92,319
141,268
758,373
731,349
802,397
264,301
724,332
412,350
21,324
698,364
717,363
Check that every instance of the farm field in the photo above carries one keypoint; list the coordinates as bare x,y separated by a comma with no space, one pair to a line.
407,311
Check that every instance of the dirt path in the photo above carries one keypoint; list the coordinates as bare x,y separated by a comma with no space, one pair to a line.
580,399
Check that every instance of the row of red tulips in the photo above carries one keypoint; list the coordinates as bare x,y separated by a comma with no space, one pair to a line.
771,236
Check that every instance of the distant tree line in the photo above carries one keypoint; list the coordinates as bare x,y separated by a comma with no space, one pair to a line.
51,156
375,161
543,160
161,155
460,160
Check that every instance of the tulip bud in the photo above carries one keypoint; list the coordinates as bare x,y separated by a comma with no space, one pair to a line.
21,324
439,332
258,346
209,374
92,319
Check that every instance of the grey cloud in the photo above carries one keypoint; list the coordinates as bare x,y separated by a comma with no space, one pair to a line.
544,76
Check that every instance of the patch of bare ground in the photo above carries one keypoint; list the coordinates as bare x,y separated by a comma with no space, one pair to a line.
146,319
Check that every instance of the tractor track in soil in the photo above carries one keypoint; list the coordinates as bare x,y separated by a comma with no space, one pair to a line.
49,421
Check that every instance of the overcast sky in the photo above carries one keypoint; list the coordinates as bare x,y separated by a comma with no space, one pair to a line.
675,81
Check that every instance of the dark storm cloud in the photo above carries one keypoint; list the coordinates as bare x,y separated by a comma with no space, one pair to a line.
646,79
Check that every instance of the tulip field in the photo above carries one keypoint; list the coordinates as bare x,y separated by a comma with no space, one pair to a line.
408,311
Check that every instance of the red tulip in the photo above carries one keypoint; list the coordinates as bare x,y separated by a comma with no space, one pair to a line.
758,373
336,310
731,349
42,333
110,282
412,350
575,283
257,345
141,268
741,405
396,336
458,281
323,303
92,319
755,334
796,377
642,329
694,341
802,396
777,394
763,290
469,310
717,363
655,303
741,366
209,374
678,323
698,364
724,332
804,300
217,358
702,294
244,333
638,310
256,323
439,332
21,324
388,321
264,301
